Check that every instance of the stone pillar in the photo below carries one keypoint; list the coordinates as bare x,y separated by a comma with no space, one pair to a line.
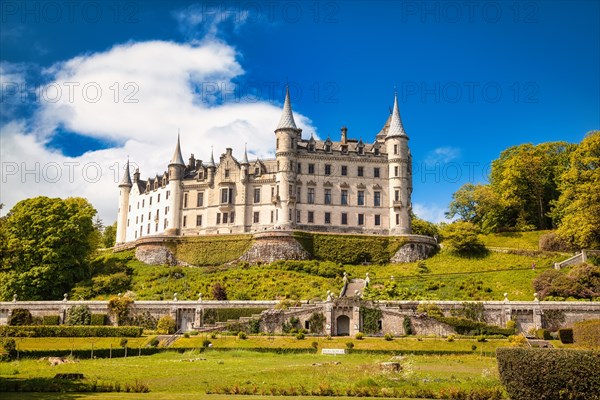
329,319
355,322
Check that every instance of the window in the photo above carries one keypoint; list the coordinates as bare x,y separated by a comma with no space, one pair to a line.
396,195
136,220
150,200
311,217
185,200
344,149
231,217
256,195
397,219
396,171
299,168
376,199
311,195
395,149
166,210
298,194
142,218
290,190
225,217
143,201
256,217
158,199
227,173
272,216
361,150
198,220
344,170
218,218
327,169
376,151
377,219
311,168
256,171
328,148
148,230
311,147
227,196
166,223
361,219
376,172
138,205
290,214
344,218
184,221
361,198
127,221
361,171
200,199
344,197
277,144
327,217
168,193
149,216
327,196
157,214
298,215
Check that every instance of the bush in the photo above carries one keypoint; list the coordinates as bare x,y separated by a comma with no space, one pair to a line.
78,315
20,316
370,318
462,238
543,334
154,342
581,282
481,339
219,292
517,340
359,336
407,325
349,345
242,335
98,319
10,348
565,335
464,326
186,335
212,315
587,333
510,324
450,338
123,342
552,242
206,343
166,325
388,337
314,345
70,331
316,322
119,308
300,335
50,320
473,347
533,374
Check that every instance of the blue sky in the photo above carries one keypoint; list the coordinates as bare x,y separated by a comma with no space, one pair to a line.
471,80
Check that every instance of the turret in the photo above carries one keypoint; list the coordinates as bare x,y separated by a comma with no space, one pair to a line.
400,174
287,136
211,167
176,172
124,191
245,165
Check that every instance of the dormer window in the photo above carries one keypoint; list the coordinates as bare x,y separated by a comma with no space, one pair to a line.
227,173
328,148
344,149
256,171
376,151
361,150
311,147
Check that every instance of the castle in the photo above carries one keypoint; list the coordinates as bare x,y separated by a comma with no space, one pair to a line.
311,185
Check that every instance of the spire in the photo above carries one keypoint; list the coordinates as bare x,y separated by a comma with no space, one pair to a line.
177,157
211,163
287,117
245,159
126,181
396,128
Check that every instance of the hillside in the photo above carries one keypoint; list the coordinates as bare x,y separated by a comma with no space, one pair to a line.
445,276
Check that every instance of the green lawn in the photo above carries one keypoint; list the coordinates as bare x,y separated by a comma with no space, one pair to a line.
514,240
81,343
177,375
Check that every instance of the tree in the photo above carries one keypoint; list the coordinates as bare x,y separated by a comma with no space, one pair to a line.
109,236
478,204
78,315
48,245
577,210
219,292
422,227
166,325
462,238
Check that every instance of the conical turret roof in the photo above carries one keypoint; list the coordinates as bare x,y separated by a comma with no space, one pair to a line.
211,163
126,181
177,157
396,128
287,116
245,159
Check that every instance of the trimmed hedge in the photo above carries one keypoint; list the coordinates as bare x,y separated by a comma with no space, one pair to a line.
50,320
70,331
533,374
469,327
212,315
98,319
587,333
543,334
116,352
565,335
350,249
211,250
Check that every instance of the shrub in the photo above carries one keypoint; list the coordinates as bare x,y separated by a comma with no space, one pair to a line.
587,333
432,310
242,335
10,348
50,320
552,242
543,334
314,345
481,339
510,324
154,342
473,347
349,345
388,337
464,326
78,315
316,322
123,342
186,335
145,320
98,319
254,326
581,282
517,340
112,283
213,335
462,238
450,338
206,343
407,325
300,335
166,325
533,374
212,315
20,316
119,308
70,331
359,336
219,292
370,318
565,335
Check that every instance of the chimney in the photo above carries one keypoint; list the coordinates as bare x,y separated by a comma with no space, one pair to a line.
344,135
192,162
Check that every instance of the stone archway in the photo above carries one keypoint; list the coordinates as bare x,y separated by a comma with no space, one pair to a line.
342,325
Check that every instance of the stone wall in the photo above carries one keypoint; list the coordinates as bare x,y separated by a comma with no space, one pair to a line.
271,246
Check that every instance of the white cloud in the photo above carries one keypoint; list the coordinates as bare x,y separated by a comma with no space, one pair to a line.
430,212
166,79
442,155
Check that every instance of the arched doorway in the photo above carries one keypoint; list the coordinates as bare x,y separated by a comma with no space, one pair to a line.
343,325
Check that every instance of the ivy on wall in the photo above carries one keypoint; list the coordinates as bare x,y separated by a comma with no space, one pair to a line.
349,249
370,319
211,250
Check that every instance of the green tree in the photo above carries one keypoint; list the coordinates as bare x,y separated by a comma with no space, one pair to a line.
48,245
422,227
109,236
462,238
478,204
78,315
577,210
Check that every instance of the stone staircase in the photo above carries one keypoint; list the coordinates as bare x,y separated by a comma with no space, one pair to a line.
354,287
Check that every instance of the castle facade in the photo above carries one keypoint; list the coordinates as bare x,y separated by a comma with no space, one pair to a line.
312,185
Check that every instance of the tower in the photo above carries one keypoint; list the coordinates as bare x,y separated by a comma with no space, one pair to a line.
287,136
400,175
176,172
124,191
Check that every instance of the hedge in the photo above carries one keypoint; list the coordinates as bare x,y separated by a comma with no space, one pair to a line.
587,333
70,331
350,249
543,334
465,326
82,354
565,335
211,250
212,315
533,374
98,319
50,320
